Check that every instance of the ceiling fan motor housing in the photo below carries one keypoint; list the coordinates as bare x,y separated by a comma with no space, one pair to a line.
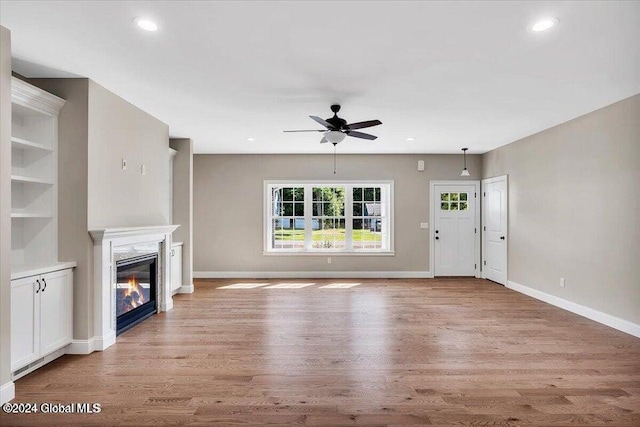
337,122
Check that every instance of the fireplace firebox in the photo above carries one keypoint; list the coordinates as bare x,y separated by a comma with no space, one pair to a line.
135,290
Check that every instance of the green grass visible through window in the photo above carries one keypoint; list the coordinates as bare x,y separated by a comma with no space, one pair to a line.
318,235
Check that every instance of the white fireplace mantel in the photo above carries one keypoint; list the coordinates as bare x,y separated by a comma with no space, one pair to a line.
100,234
106,243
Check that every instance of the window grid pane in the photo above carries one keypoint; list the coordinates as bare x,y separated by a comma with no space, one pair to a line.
327,225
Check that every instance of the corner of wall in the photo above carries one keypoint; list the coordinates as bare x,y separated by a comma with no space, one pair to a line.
6,385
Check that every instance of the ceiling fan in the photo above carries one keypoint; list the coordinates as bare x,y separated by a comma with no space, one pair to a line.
336,128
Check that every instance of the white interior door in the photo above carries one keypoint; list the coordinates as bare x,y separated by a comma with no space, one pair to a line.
454,230
494,229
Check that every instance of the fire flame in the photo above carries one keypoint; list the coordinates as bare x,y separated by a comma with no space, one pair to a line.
133,294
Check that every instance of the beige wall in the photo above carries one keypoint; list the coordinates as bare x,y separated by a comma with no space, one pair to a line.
95,130
5,206
118,129
228,207
574,209
183,203
74,243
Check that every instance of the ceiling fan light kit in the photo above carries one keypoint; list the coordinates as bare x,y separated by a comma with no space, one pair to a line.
334,137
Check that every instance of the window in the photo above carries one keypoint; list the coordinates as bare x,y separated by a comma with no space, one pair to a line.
342,217
454,201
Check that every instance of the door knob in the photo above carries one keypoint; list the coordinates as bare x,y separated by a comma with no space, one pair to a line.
501,237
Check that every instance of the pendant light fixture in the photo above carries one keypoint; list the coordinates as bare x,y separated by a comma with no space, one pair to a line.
465,171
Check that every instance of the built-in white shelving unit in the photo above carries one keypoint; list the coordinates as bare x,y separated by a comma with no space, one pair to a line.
41,287
34,137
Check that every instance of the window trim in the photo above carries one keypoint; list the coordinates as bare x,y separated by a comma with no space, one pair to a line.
266,223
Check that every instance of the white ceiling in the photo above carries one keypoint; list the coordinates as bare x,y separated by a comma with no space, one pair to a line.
451,75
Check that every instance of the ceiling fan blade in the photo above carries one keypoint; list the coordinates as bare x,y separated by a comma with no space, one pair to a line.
361,135
323,140
314,130
323,122
360,125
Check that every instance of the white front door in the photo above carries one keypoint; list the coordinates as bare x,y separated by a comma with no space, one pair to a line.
494,229
454,230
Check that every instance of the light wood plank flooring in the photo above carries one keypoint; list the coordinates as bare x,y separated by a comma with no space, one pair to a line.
386,352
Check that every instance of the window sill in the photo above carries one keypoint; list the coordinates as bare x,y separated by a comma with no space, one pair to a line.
327,253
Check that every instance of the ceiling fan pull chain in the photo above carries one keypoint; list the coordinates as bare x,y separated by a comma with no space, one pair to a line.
335,160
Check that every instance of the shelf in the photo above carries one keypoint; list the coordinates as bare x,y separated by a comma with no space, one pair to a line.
30,215
19,178
34,158
23,144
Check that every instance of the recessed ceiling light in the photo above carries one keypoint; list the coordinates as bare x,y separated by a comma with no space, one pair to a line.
410,139
146,24
250,139
543,25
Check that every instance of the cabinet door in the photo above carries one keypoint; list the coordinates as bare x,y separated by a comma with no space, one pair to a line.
176,268
56,308
25,322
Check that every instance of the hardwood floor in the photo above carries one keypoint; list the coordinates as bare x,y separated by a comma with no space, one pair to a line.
386,352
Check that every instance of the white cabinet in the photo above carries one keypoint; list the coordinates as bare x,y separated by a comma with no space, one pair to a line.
176,267
25,322
41,316
56,311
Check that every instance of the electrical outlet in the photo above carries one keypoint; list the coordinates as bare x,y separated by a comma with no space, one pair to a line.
124,164
562,282
424,225
329,260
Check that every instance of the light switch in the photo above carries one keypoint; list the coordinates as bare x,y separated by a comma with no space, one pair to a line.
143,170
124,164
424,225
420,165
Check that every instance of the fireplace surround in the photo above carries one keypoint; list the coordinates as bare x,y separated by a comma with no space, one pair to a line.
111,245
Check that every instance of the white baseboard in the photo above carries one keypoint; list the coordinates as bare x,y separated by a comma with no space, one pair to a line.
590,313
81,346
167,305
186,289
312,274
101,343
7,392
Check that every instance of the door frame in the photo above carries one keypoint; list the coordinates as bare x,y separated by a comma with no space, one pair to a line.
432,248
506,241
